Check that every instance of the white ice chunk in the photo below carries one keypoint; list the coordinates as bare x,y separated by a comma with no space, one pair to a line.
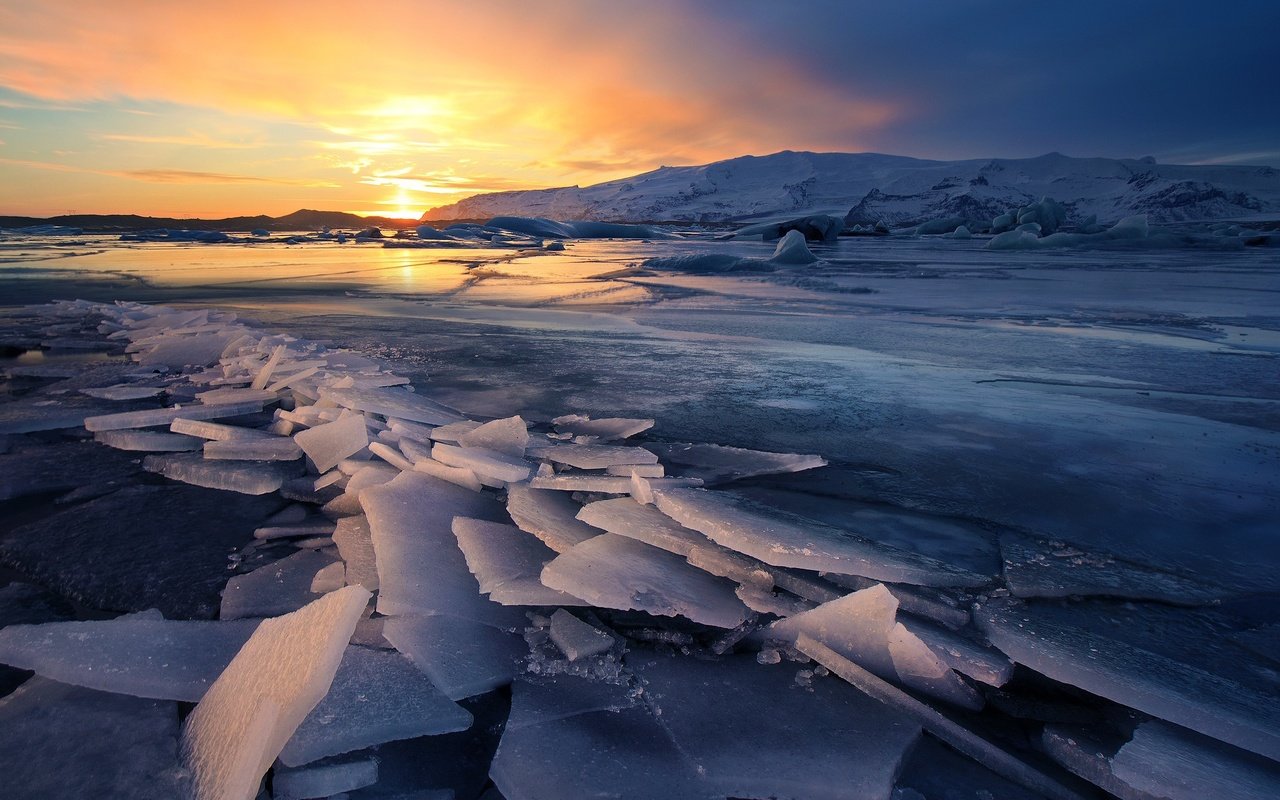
785,540
125,391
355,545
142,655
507,563
639,470
364,477
390,455
605,429
715,463
214,430
244,477
508,436
792,249
377,696
273,448
457,475
235,733
484,463
330,578
549,515
275,588
420,568
392,403
608,484
862,627
461,657
264,374
575,638
324,780
152,417
613,571
328,444
323,528
454,431
148,441
595,456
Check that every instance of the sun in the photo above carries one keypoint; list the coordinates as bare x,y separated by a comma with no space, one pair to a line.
402,206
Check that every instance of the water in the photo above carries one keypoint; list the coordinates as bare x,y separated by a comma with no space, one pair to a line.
1119,400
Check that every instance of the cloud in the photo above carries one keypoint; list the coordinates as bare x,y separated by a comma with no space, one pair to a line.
164,175
190,140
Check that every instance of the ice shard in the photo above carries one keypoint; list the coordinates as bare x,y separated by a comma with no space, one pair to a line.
328,444
549,515
462,657
507,563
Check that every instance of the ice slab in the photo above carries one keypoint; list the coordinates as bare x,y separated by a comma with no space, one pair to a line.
462,657
247,477
454,431
355,545
751,732
274,589
1165,761
273,448
1041,568
122,391
716,463
214,430
595,456
322,528
420,568
484,463
605,428
508,436
608,484
625,517
328,444
148,441
324,780
863,628
283,671
639,470
963,653
59,741
1163,662
188,351
628,755
392,403
507,563
369,475
140,655
549,515
153,417
462,477
613,571
377,696
575,638
786,540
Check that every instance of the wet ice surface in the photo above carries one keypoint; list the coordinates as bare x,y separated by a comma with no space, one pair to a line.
1086,442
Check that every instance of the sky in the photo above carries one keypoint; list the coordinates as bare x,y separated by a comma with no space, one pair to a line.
229,107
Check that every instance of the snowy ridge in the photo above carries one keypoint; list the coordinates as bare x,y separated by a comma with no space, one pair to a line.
869,187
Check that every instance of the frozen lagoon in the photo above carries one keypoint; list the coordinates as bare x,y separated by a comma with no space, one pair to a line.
1099,414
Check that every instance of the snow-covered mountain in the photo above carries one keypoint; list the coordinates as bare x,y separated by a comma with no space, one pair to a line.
868,187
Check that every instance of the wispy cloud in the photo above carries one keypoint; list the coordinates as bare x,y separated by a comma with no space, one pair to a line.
166,175
189,140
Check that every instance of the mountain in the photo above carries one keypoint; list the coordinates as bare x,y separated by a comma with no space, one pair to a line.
302,220
868,187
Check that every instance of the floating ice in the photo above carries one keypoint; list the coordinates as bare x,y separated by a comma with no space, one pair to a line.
150,418
59,741
792,249
786,540
273,683
148,441
377,696
462,658
575,638
243,477
592,456
506,562
613,571
508,436
323,780
607,484
549,515
454,431
605,428
214,430
274,448
863,627
122,392
716,463
328,444
274,589
143,654
420,568
392,403
484,463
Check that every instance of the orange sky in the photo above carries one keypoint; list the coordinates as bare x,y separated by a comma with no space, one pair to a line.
225,108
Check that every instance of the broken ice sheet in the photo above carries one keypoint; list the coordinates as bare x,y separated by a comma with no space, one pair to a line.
150,418
148,441
272,448
575,638
462,657
393,403
1039,568
420,568
591,456
606,428
787,540
143,655
549,515
484,463
1174,664
828,741
283,671
508,436
123,391
716,463
507,563
246,477
377,696
613,571
324,780
328,444
60,741
355,545
275,588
